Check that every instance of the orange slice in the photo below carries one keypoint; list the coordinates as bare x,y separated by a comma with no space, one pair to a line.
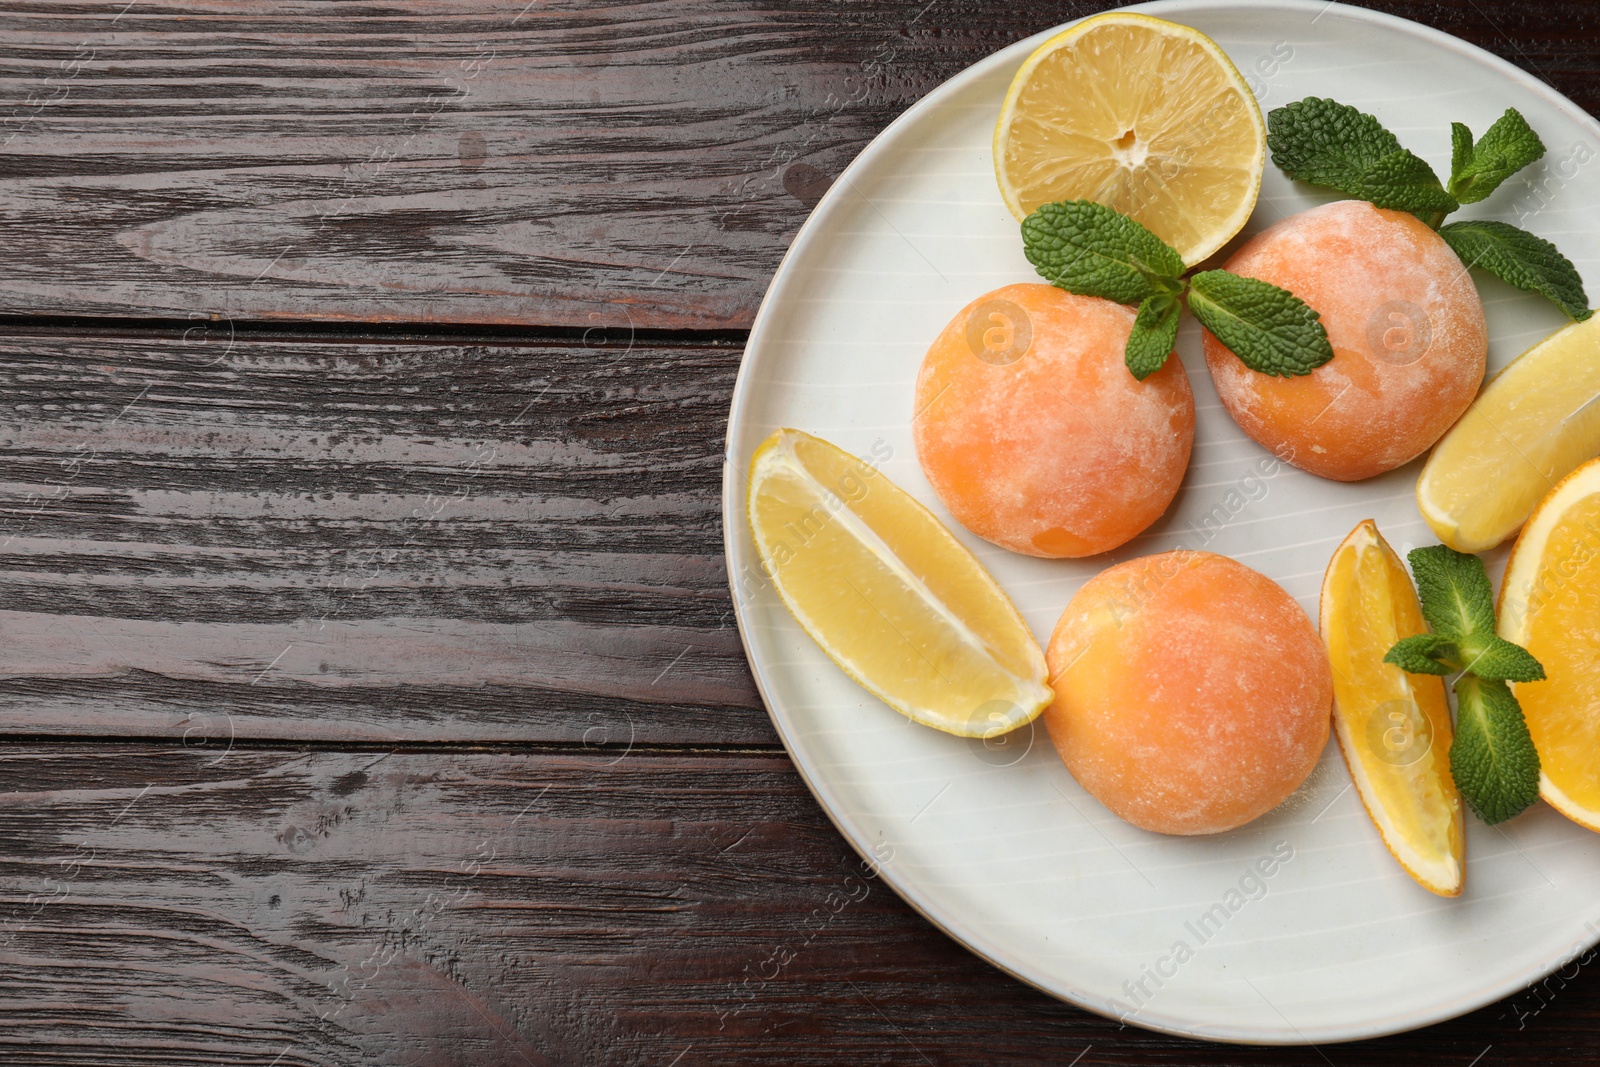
1393,727
890,595
1550,604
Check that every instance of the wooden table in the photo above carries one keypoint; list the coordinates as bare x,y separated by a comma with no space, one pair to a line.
369,685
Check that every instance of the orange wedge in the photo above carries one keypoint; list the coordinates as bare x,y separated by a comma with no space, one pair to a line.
1550,604
890,595
1393,727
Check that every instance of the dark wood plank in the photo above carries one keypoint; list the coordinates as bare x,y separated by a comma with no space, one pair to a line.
314,908
208,538
487,160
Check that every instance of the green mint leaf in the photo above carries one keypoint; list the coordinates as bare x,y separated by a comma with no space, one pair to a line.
1403,182
1093,250
1328,143
1425,654
1460,152
1504,661
1270,329
1456,598
1505,148
1520,258
1324,142
1492,758
1155,331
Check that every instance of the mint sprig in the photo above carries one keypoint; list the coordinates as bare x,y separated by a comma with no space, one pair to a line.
1492,759
1093,250
1324,142
1477,169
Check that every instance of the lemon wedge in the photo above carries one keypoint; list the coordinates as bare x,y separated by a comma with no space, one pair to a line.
1140,114
1393,727
1550,605
1529,428
890,595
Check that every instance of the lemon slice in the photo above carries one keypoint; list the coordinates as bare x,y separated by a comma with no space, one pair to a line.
890,595
1550,604
1142,115
1529,428
1393,727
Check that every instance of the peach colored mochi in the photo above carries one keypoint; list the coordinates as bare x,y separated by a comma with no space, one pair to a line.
1408,335
1192,693
1034,434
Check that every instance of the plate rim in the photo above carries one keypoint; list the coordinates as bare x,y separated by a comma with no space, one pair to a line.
737,554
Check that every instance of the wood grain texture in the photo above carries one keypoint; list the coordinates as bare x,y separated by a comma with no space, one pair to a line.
319,908
494,161
208,538
559,163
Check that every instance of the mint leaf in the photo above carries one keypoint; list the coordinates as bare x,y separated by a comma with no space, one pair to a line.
1502,660
1093,250
1492,759
1460,151
1155,332
1520,258
1328,143
1270,329
1454,589
1403,182
1505,148
1323,141
1424,654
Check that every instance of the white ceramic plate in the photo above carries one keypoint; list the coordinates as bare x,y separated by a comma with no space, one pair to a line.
999,846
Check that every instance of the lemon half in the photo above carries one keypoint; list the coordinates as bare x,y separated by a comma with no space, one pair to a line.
1140,114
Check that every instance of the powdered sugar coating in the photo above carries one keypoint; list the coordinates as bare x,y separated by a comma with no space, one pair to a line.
1056,450
1192,693
1408,334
